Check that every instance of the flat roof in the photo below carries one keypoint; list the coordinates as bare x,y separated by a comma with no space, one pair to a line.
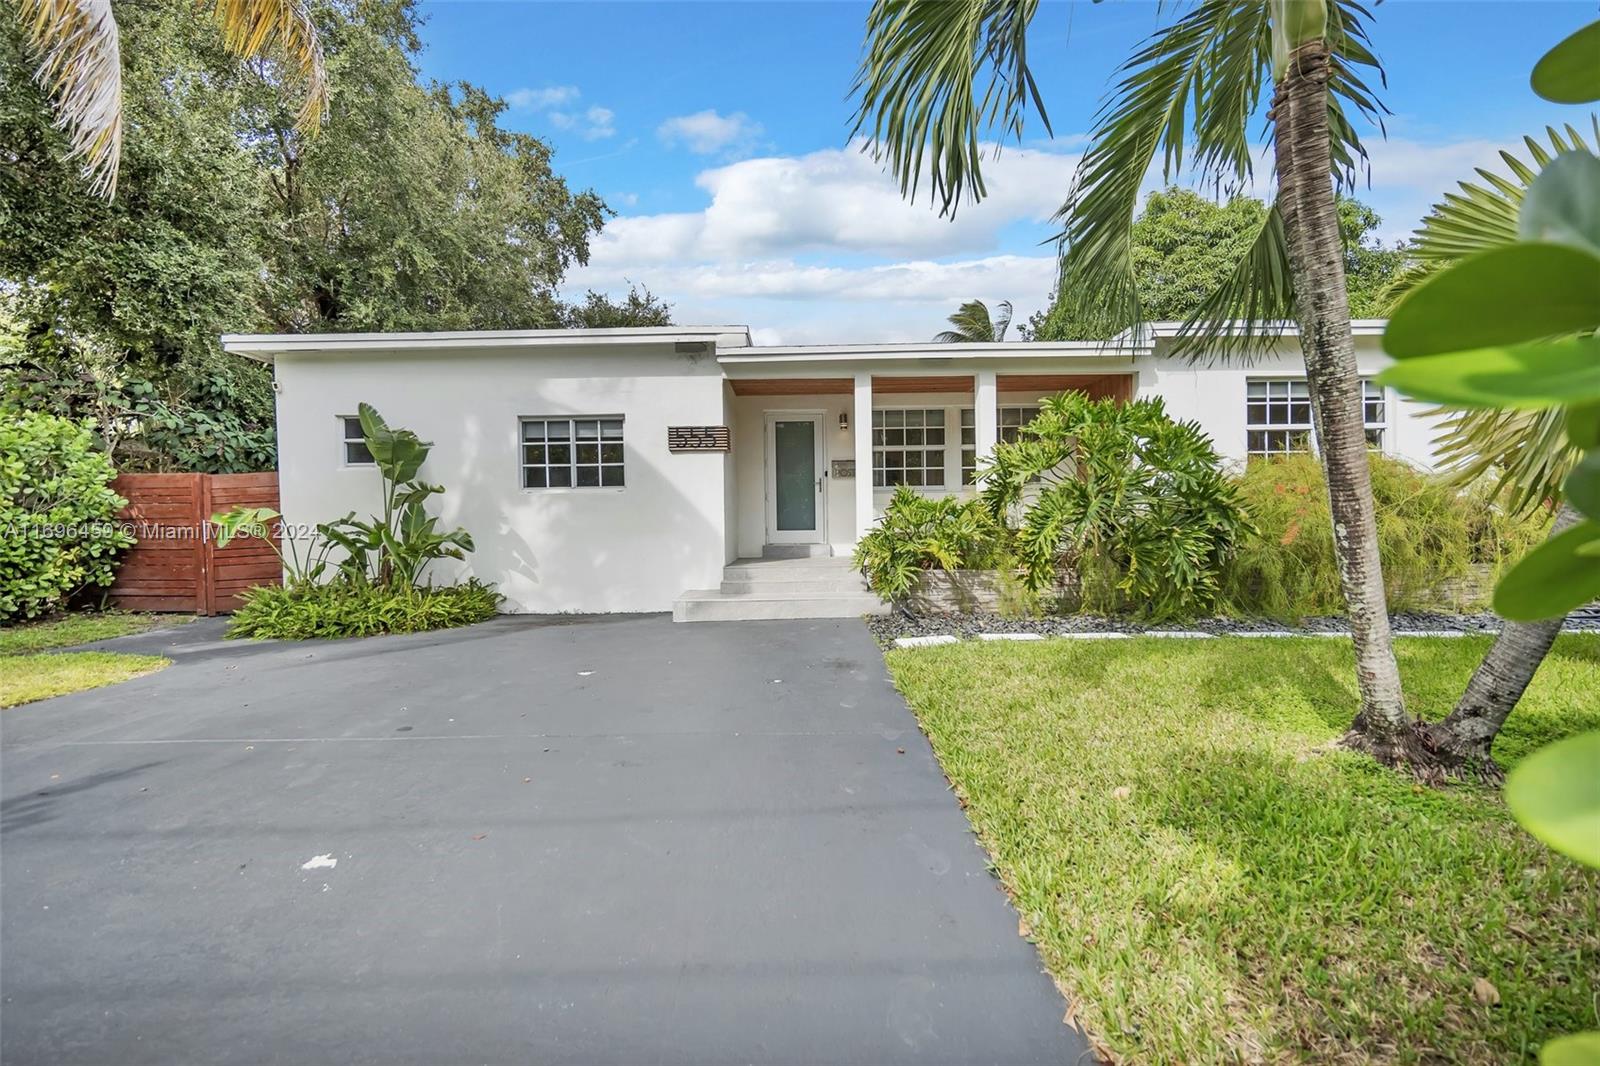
264,346
931,350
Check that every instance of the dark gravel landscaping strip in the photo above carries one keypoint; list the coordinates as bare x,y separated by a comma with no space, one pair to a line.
888,628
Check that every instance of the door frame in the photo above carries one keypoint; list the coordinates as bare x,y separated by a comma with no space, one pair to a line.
770,476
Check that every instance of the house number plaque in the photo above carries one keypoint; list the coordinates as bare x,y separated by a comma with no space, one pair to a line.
844,468
697,438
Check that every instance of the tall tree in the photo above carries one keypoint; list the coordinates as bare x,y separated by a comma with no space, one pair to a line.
1185,246
936,77
973,324
411,209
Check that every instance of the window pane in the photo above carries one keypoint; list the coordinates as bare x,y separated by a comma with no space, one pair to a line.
357,453
611,453
558,430
914,418
560,454
969,417
934,417
877,419
1300,414
588,429
588,453
533,454
934,436
935,476
533,477
352,429
611,429
588,476
561,476
1257,390
533,431
611,475
913,436
912,477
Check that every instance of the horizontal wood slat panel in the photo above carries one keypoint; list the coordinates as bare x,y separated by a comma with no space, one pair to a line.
793,386
921,383
176,565
1099,386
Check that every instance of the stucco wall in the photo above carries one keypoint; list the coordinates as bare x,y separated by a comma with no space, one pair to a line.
1214,396
633,548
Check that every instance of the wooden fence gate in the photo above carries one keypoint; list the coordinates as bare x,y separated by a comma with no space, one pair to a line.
176,566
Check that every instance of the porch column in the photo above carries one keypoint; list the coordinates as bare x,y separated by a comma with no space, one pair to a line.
863,427
986,413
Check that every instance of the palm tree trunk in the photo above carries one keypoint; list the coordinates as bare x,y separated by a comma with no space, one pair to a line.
1466,736
1322,305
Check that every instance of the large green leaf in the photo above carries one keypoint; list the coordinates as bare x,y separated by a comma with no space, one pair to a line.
1575,1049
399,453
1583,425
1557,577
1555,794
1519,292
1569,73
1563,203
1583,485
1525,376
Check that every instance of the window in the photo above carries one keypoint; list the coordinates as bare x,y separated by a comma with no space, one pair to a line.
1012,418
1278,415
1373,413
908,447
969,446
584,453
355,442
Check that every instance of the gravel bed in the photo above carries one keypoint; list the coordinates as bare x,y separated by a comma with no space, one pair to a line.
887,628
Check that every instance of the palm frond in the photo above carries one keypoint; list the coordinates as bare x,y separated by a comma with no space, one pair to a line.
974,325
1479,216
1196,85
1526,452
1247,312
919,87
252,27
80,66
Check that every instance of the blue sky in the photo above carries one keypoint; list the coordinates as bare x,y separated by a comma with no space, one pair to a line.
718,132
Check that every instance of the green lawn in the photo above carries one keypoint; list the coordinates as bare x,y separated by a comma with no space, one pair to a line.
1210,882
25,678
73,629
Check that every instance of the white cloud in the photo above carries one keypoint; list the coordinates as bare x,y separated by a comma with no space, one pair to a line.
823,247
707,132
541,99
835,200
593,124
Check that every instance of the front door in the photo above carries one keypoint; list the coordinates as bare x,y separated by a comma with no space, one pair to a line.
794,478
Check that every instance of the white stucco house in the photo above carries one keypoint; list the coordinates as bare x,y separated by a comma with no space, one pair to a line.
682,468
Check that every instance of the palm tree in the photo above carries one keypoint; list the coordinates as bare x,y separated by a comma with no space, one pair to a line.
1526,451
936,75
973,324
80,65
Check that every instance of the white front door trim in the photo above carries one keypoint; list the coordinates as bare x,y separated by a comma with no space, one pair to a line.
819,535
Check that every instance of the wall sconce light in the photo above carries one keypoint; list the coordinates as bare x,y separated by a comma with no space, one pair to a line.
844,421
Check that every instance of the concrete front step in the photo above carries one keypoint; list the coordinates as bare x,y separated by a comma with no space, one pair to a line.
714,605
795,586
788,569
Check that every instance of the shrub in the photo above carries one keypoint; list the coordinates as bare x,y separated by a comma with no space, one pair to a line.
1430,536
346,607
58,532
1134,503
918,533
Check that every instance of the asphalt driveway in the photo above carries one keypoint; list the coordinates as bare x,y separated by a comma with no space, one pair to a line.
536,840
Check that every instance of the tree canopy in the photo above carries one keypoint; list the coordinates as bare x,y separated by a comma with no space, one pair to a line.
1184,248
413,209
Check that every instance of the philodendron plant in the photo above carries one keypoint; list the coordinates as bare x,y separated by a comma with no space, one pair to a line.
393,548
1516,327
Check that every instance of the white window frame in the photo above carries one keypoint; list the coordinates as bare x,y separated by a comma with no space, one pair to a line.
882,449
345,440
572,442
1371,393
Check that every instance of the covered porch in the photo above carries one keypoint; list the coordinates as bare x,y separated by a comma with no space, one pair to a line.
817,457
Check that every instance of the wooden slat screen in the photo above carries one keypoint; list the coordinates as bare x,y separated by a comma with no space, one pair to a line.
175,566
